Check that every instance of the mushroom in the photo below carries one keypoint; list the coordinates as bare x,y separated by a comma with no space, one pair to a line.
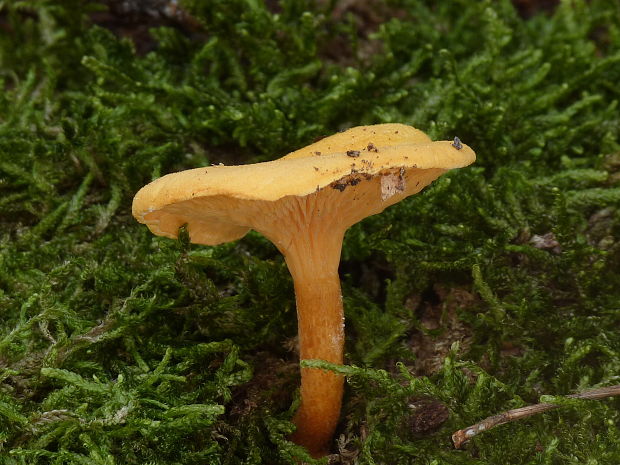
303,203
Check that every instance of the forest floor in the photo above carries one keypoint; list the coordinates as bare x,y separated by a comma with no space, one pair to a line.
496,287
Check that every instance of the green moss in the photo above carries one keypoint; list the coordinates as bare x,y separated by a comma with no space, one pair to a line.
497,285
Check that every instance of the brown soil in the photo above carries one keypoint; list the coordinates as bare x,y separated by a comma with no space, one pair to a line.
441,327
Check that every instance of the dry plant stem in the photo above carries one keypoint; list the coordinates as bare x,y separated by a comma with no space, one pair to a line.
312,259
462,436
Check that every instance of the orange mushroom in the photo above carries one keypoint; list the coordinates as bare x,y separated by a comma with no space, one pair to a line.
304,202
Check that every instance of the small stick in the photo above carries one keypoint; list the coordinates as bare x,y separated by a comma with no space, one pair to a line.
463,435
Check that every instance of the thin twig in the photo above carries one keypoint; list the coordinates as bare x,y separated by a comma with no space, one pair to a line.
463,435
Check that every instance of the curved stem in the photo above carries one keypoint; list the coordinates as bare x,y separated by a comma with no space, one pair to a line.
313,263
321,336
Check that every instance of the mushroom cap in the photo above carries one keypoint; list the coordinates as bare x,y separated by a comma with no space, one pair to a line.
378,165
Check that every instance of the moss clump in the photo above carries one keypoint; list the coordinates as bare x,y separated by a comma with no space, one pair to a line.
120,347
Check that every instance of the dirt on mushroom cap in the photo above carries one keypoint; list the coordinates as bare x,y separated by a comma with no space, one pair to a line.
292,176
363,137
212,200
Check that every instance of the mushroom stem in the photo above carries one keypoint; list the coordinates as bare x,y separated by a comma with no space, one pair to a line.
321,336
312,259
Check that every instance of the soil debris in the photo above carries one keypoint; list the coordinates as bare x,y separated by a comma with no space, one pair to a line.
427,415
440,327
546,242
350,180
